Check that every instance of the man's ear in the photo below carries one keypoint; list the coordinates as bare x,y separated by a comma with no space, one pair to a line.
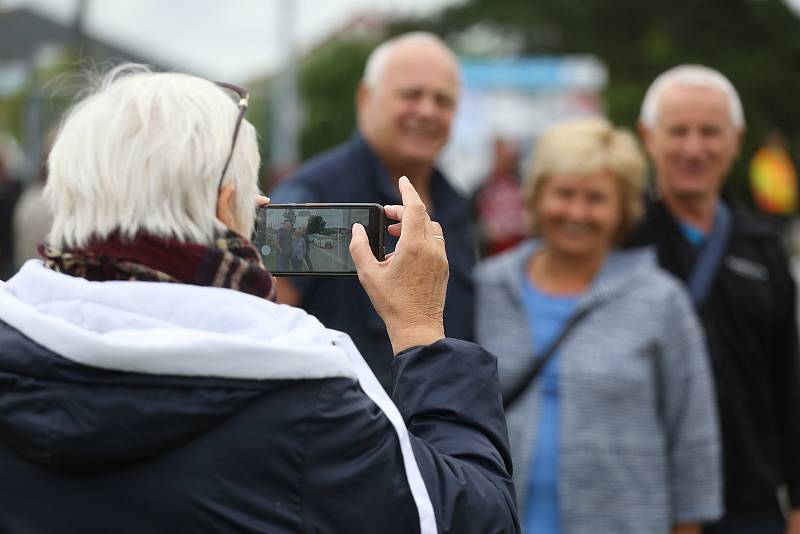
644,134
643,131
362,96
225,211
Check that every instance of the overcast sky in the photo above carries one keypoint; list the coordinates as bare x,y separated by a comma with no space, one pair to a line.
223,39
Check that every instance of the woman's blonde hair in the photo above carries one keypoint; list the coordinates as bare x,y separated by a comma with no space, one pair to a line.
586,146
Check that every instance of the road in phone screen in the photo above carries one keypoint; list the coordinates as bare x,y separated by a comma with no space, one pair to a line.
304,239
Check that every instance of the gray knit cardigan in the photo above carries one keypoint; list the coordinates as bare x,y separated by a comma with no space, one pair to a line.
639,444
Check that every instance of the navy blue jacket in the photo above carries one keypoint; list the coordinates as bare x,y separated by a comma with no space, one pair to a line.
351,172
87,450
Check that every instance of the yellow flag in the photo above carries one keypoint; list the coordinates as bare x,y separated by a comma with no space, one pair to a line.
773,181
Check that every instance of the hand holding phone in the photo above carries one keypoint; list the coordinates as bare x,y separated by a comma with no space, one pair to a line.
408,288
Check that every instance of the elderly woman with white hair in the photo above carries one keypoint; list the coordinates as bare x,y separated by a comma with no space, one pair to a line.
149,383
602,362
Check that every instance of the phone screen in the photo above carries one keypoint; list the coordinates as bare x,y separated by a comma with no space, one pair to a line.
314,239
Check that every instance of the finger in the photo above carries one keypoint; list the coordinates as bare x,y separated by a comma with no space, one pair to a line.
394,212
360,249
437,234
262,201
394,229
415,217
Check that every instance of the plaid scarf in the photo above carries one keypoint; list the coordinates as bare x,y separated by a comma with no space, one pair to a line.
231,262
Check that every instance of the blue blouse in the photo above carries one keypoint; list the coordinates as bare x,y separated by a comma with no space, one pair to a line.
547,315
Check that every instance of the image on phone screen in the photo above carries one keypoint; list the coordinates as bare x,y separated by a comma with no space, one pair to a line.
307,239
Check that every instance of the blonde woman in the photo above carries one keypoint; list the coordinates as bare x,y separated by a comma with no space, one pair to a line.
618,433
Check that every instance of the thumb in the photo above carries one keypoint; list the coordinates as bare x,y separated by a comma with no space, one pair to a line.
359,248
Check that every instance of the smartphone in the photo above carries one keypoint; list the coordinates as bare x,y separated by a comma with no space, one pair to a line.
314,239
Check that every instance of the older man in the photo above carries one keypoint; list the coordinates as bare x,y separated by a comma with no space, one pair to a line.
736,270
148,382
405,105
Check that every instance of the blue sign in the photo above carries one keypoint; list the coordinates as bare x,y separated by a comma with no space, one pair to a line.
535,73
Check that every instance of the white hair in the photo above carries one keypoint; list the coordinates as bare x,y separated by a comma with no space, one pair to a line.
690,76
144,153
376,62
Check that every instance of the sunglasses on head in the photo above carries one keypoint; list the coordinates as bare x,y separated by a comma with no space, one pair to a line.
244,101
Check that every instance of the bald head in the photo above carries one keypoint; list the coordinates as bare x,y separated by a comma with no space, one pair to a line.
407,43
407,99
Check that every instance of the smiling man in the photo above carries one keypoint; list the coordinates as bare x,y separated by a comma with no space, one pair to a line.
736,270
405,104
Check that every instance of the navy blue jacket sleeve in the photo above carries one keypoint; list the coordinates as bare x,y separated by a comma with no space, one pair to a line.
449,396
354,479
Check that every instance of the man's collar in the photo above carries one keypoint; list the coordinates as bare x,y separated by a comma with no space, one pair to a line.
744,223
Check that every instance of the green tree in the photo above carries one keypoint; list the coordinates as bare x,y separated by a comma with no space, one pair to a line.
315,225
328,81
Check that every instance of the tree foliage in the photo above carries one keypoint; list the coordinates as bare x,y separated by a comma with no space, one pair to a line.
328,81
315,225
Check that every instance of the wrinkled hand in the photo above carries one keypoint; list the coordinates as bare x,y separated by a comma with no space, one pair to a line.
408,288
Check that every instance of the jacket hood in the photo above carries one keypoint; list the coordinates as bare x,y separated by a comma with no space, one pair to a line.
99,375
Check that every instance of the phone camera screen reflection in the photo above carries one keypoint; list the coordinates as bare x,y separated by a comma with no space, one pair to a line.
307,239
